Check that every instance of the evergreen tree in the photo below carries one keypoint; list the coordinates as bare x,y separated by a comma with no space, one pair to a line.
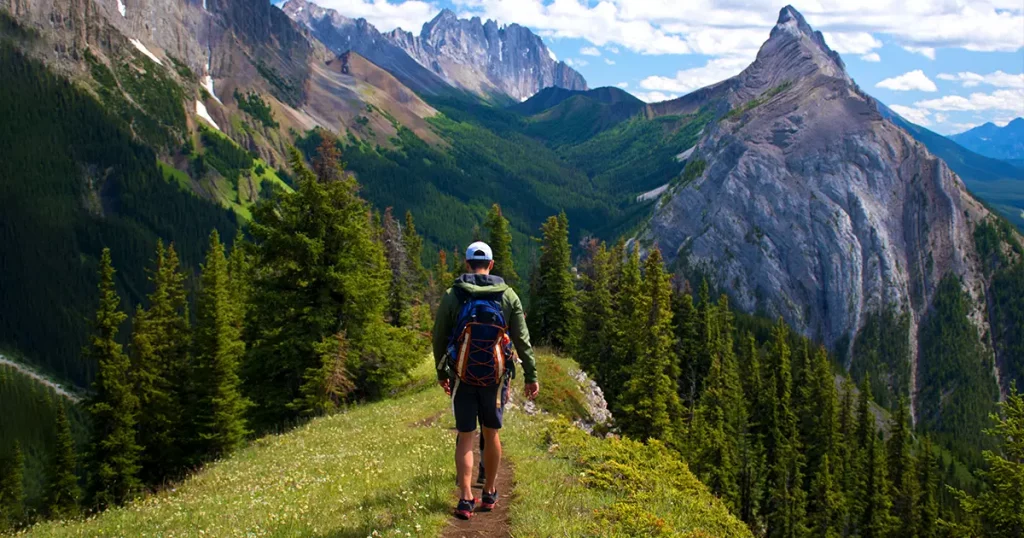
553,310
12,489
594,345
819,431
326,388
218,353
706,336
62,487
928,502
825,502
650,405
627,325
499,237
688,349
876,520
903,473
785,498
414,256
998,512
113,407
321,272
400,290
846,456
752,457
157,358
442,278
240,270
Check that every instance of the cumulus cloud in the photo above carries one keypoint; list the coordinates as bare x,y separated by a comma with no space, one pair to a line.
575,62
851,42
871,57
910,81
590,51
622,85
913,115
613,50
655,97
687,80
927,52
385,15
998,79
609,61
1001,100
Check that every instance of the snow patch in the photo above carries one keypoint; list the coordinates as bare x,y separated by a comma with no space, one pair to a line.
41,379
142,48
121,8
205,114
653,194
551,53
204,5
208,84
685,155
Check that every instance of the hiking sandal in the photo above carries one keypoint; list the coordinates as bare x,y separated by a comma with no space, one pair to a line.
465,508
488,501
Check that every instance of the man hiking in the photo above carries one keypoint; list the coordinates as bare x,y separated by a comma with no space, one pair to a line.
478,322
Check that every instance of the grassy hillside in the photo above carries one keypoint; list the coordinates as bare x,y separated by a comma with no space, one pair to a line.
385,469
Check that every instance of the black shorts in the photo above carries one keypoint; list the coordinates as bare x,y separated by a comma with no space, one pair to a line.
486,403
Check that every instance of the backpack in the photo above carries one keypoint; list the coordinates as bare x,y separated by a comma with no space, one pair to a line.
480,349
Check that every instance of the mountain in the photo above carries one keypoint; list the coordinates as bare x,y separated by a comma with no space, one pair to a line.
563,116
999,183
805,202
507,62
993,141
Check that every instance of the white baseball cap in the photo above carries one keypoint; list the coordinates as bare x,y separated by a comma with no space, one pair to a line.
479,251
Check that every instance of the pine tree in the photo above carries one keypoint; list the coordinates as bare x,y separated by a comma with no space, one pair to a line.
414,256
876,520
752,457
62,484
998,512
113,408
928,502
650,405
627,325
12,489
157,356
594,345
240,270
218,355
785,498
847,456
325,389
688,349
903,473
321,272
706,335
499,237
553,310
400,290
824,506
442,278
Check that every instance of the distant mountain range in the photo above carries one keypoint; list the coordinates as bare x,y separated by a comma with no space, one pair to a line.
503,62
991,140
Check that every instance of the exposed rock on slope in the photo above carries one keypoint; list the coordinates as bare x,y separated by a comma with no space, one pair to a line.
806,203
483,58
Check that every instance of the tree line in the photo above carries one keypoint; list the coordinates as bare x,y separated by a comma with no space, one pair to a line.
324,304
763,422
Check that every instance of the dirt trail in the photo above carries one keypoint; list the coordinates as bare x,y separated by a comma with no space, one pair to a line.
494,524
31,373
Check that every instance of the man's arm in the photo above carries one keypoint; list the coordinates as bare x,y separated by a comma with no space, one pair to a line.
442,332
521,337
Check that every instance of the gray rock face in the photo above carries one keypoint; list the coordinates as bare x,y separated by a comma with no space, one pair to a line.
468,54
814,207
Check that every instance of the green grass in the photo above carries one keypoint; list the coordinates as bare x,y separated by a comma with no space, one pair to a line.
172,174
385,469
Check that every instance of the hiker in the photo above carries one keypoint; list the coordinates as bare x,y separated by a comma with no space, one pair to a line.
478,321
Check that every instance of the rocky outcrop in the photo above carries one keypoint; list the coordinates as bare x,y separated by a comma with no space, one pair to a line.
468,54
808,204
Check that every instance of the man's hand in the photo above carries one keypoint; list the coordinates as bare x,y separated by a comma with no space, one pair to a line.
446,384
531,390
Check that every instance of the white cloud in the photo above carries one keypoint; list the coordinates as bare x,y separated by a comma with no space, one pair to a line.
1004,100
961,127
927,52
622,85
574,62
590,51
655,97
872,57
941,118
609,61
851,42
998,79
408,15
613,50
910,81
687,80
913,115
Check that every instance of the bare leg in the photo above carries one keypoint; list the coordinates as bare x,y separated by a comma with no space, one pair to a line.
464,463
492,457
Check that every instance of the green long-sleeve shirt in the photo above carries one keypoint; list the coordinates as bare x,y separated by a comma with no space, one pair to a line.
511,308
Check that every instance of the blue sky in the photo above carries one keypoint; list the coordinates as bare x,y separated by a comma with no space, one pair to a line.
946,64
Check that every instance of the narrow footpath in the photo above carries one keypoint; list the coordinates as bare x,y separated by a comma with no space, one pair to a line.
493,524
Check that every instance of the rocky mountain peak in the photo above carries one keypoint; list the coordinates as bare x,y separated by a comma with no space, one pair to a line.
794,50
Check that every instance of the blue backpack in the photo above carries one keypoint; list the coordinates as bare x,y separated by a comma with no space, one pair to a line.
479,348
